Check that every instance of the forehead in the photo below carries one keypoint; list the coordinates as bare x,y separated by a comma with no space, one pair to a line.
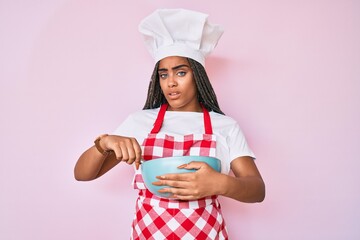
173,61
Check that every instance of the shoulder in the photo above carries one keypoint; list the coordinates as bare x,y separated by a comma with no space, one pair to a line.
223,120
225,126
137,122
144,114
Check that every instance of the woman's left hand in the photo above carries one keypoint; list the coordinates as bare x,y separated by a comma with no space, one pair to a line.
205,181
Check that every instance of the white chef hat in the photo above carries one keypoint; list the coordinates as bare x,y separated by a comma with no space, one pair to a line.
179,32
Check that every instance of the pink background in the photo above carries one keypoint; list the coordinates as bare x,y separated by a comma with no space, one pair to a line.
288,71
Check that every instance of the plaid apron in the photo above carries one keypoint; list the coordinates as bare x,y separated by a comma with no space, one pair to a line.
162,218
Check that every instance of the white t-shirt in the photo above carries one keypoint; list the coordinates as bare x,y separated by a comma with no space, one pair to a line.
231,142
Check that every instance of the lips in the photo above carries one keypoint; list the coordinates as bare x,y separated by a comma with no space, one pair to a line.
174,95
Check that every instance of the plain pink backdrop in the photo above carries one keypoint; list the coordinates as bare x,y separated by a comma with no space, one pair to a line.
288,71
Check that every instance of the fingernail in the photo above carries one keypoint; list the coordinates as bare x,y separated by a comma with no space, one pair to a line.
137,165
182,166
164,190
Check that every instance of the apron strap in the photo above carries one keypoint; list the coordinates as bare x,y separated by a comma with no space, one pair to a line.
160,118
207,121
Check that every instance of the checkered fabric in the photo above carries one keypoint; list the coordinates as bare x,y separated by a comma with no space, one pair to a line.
154,222
163,145
161,218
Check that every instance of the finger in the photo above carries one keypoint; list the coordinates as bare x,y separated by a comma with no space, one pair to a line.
173,184
167,191
118,152
124,151
176,176
184,193
130,150
184,197
193,165
137,149
178,193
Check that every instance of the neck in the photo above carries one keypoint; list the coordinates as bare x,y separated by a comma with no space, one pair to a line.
196,108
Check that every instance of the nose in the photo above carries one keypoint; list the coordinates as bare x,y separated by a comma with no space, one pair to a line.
172,81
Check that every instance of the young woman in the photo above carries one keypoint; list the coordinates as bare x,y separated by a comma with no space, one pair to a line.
181,107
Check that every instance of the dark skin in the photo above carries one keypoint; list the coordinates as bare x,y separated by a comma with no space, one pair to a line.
179,88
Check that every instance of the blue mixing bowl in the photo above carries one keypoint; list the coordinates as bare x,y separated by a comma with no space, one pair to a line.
160,166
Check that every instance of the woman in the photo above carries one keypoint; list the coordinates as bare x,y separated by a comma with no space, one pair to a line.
181,116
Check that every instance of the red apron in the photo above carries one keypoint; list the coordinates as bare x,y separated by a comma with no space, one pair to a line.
161,218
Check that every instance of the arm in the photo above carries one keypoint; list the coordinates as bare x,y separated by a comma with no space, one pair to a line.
92,164
246,186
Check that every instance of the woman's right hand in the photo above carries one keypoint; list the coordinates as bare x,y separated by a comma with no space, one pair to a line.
93,164
126,149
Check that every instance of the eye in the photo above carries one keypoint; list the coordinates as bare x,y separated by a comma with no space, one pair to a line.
181,73
162,75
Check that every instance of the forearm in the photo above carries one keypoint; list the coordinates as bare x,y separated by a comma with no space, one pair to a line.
92,163
244,189
89,165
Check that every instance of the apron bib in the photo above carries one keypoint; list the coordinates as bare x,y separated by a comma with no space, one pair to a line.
162,218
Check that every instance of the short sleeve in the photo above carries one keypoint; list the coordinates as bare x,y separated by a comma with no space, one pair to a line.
125,128
238,145
136,125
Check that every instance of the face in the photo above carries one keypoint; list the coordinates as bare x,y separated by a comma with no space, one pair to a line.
178,84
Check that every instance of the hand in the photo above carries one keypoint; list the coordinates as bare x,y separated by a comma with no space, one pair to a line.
126,149
205,181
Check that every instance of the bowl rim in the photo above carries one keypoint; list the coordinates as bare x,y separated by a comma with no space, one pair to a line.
180,157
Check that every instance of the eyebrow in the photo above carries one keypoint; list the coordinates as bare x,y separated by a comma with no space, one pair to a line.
174,68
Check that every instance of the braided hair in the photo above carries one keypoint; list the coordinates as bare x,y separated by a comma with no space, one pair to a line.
206,94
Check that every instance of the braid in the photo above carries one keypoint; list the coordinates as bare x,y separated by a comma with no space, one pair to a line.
154,97
206,94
